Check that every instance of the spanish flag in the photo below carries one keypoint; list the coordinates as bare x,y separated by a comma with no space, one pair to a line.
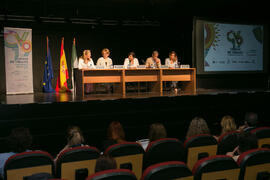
61,85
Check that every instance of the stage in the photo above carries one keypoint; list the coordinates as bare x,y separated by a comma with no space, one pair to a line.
49,114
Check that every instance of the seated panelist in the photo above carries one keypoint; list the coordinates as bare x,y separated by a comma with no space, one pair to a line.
131,61
154,61
105,61
85,61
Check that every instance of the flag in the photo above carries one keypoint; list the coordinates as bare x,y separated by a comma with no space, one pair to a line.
61,85
74,62
48,71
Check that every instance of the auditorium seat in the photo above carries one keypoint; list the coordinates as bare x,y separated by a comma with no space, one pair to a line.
162,150
254,164
167,170
113,174
77,163
128,155
199,146
263,135
227,142
216,168
26,164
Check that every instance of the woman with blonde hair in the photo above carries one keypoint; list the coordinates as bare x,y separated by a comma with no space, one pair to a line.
105,61
85,61
74,139
227,124
197,126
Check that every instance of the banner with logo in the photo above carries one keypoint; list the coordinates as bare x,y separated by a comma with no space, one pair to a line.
18,60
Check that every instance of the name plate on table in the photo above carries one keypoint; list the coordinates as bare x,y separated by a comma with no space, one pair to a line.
141,66
164,67
118,67
100,67
184,66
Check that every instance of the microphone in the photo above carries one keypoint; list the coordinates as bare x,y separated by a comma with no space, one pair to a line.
143,62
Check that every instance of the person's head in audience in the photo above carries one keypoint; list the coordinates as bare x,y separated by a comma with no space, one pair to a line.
251,119
20,140
227,124
247,141
74,136
116,132
105,53
197,126
157,131
105,163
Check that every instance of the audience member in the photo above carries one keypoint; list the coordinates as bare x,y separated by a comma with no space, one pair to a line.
19,141
197,126
105,163
227,125
156,131
251,122
74,138
247,141
115,135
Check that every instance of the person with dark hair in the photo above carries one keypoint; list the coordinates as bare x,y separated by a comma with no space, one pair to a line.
131,61
105,163
156,131
251,122
247,141
20,140
115,135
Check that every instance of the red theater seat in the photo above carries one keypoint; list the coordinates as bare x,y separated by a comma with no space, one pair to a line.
76,163
162,150
113,174
167,170
26,164
128,155
198,147
263,135
228,142
255,164
216,168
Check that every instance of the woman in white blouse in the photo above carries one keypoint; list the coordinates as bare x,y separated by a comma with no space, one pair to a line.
85,61
172,62
131,61
105,61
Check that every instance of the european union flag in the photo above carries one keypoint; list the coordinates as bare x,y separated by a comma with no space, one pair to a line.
48,71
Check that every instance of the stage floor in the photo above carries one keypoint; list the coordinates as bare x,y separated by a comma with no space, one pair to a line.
40,97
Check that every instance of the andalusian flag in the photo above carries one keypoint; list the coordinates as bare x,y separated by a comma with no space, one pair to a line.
74,62
48,71
61,85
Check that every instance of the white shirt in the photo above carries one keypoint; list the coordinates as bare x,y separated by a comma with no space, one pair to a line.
106,63
128,64
171,64
89,65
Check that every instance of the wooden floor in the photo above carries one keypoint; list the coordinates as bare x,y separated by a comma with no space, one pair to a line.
40,97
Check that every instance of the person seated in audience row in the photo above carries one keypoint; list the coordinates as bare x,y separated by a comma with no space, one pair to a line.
105,163
197,126
156,131
227,125
251,122
247,141
19,140
131,61
115,135
74,139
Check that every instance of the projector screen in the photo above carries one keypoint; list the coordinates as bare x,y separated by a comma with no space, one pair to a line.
228,47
